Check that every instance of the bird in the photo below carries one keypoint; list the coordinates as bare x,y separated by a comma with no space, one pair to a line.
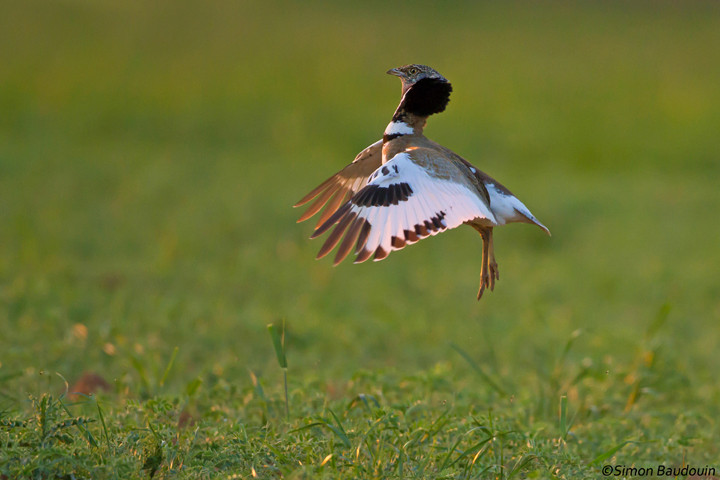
405,187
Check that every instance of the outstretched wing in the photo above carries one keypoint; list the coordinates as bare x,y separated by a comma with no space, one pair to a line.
339,188
401,204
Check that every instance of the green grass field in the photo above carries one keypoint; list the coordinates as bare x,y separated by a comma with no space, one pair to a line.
150,153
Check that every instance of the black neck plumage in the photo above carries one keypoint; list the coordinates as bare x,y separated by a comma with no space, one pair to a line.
426,97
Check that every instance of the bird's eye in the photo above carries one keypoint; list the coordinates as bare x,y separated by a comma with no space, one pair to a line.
413,71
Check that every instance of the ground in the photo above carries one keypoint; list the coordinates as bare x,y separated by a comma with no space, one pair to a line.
149,157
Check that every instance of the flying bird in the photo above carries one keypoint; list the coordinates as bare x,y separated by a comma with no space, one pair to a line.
406,187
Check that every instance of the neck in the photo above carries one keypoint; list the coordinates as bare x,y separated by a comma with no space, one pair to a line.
404,123
421,100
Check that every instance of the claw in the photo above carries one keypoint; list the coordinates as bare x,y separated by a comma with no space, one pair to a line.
494,273
486,280
484,283
489,271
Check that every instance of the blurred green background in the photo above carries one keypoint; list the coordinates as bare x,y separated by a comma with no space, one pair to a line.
150,153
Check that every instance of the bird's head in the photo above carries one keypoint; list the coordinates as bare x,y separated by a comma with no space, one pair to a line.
424,90
413,73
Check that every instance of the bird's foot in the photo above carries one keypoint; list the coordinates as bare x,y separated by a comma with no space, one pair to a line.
488,276
494,273
486,281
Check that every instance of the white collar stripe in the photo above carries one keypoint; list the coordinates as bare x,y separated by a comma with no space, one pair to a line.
399,128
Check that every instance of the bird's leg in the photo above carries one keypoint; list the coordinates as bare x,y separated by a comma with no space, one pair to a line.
485,277
494,271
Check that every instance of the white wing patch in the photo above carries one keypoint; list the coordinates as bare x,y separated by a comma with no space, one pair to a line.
401,204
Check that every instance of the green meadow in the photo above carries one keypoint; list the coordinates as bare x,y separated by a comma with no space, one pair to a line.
150,155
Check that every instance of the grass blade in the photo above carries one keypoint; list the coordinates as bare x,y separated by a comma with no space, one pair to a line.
338,431
193,386
140,368
344,436
169,366
86,433
479,370
660,320
520,464
260,394
568,345
563,417
452,449
278,340
102,421
609,453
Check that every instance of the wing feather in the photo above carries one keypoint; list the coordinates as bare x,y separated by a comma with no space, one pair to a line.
403,203
336,235
350,238
334,203
319,203
336,190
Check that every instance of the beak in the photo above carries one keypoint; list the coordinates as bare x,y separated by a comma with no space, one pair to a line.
394,71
